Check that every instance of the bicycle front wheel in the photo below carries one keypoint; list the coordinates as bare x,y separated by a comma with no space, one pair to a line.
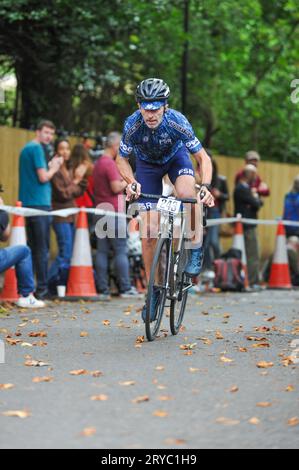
157,291
180,289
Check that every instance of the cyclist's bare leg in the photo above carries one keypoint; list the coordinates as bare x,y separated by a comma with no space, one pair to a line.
149,235
185,188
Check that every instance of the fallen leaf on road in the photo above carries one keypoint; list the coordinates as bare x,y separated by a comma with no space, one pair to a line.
13,342
243,350
127,383
160,368
87,432
265,365
261,345
193,369
106,322
78,372
234,389
40,344
293,421
101,397
141,399
254,421
84,334
227,421
287,361
205,341
226,359
161,387
165,398
96,373
160,414
22,414
38,334
174,442
219,335
264,404
271,319
38,380
32,363
262,329
140,339
187,347
256,338
6,386
26,345
290,388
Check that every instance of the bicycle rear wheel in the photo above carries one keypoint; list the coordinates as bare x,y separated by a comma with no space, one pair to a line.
157,284
179,289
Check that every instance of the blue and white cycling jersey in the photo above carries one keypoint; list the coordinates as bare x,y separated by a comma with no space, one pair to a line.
158,146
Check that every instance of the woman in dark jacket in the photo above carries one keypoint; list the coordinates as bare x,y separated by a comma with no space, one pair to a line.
65,188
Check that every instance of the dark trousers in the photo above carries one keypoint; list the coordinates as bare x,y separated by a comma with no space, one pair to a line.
252,254
38,235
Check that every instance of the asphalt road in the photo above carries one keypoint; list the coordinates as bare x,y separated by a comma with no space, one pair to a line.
210,396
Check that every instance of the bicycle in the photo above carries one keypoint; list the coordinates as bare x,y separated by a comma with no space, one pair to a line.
167,271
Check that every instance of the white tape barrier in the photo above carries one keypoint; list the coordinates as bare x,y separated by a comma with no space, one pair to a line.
232,220
26,212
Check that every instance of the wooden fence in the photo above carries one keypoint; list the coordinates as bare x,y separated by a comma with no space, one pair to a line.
279,177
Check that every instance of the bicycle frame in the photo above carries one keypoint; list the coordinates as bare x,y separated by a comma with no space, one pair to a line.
168,232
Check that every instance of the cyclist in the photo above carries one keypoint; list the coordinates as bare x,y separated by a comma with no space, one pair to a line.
161,139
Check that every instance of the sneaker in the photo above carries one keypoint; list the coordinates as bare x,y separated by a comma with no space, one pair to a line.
104,297
44,295
131,293
30,302
156,298
194,264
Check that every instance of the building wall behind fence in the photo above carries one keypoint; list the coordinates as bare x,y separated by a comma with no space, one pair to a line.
279,177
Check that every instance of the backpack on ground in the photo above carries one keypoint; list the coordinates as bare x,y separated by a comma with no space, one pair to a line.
229,273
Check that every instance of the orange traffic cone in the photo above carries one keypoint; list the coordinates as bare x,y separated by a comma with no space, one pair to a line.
239,244
18,237
280,277
81,284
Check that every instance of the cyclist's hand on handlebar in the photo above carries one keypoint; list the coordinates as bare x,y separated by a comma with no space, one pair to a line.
205,197
133,191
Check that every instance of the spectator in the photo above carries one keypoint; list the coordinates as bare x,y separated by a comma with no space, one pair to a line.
291,208
109,187
293,259
35,174
97,151
65,188
20,257
83,167
212,238
85,141
248,203
253,158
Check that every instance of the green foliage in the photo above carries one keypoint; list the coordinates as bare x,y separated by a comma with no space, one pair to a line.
78,63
